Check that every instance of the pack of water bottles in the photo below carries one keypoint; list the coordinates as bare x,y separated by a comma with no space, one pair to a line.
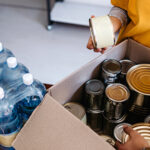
20,94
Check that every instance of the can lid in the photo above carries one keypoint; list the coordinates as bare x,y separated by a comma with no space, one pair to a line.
147,119
76,109
117,92
118,131
143,129
94,86
138,78
111,66
126,65
108,139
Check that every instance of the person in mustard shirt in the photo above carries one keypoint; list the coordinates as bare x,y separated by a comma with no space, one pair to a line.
131,19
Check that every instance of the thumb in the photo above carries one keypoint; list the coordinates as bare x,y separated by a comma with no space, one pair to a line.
129,131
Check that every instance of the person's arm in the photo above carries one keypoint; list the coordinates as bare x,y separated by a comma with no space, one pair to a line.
118,18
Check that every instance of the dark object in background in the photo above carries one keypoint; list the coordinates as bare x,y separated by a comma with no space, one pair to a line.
111,69
95,120
109,125
94,90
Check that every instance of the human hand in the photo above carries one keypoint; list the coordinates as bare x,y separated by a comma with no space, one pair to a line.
116,25
136,141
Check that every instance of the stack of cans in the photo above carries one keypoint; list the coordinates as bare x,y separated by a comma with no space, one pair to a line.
94,90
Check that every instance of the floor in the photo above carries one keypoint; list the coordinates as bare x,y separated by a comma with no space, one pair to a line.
50,55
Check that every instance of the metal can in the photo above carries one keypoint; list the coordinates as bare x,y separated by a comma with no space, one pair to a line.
111,69
95,120
126,65
108,139
94,90
77,110
109,125
143,129
115,101
138,79
147,119
118,131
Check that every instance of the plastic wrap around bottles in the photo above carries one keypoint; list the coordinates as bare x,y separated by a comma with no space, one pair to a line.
4,54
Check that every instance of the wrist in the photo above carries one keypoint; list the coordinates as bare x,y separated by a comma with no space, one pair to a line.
116,23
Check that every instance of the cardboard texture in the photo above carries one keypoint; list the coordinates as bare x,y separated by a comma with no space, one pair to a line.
52,127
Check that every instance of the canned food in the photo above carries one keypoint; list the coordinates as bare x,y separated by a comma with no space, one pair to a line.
109,125
77,110
143,129
126,65
118,131
147,119
138,78
115,102
102,32
95,120
111,69
108,139
94,94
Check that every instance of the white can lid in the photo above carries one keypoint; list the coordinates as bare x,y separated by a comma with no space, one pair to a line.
28,79
1,46
12,62
2,94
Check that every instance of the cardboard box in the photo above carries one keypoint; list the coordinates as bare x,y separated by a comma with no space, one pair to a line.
51,127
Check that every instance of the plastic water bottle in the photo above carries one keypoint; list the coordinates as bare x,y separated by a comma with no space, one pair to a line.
12,73
4,54
10,122
34,92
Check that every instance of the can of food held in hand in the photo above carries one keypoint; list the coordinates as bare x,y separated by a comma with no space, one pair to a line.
77,110
95,120
119,132
111,69
115,101
94,90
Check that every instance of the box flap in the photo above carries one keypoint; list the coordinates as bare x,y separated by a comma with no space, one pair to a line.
63,91
138,52
51,127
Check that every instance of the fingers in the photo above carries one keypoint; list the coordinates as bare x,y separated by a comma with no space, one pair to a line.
90,44
119,146
129,131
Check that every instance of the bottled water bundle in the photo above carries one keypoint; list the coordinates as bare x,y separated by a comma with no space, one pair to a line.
20,94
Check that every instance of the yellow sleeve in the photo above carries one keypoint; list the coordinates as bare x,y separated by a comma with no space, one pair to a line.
120,3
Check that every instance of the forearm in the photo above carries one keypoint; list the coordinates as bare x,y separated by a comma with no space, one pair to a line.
118,17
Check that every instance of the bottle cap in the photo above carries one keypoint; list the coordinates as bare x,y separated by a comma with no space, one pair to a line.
1,93
1,46
28,79
12,62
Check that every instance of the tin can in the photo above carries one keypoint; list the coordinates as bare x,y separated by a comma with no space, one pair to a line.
116,101
77,110
126,65
143,129
147,119
95,120
119,132
111,69
109,125
94,90
108,139
138,79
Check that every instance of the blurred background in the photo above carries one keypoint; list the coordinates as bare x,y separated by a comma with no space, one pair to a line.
49,36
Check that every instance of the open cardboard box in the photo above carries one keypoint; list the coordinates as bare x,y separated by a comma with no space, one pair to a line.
52,127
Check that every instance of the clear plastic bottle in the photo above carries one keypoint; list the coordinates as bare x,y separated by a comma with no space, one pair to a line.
12,73
34,92
4,54
10,121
